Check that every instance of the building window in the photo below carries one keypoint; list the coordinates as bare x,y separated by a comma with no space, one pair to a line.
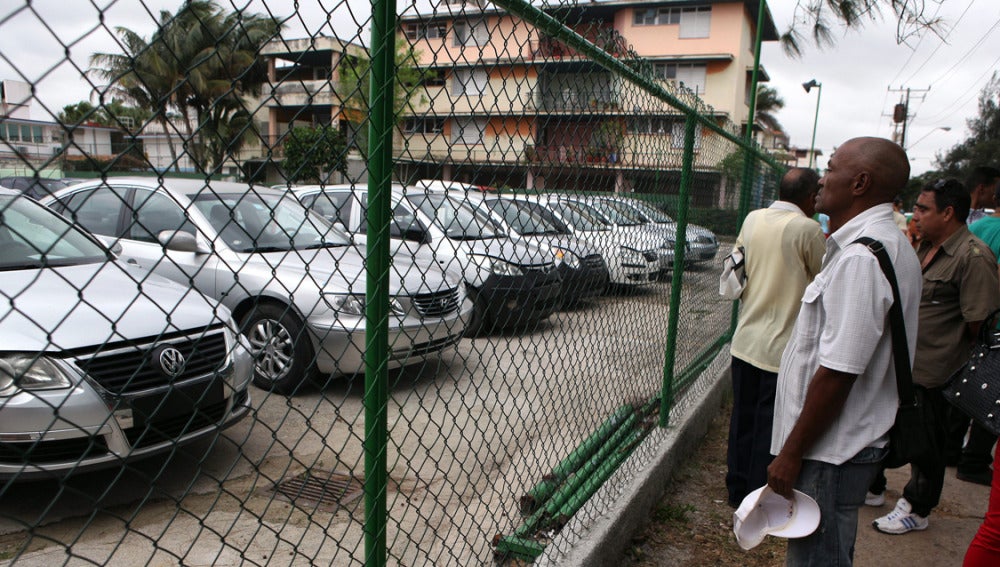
694,22
691,75
468,131
421,30
677,136
649,125
36,134
469,82
470,32
432,79
423,125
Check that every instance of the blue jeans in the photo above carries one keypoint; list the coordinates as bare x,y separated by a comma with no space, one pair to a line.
840,491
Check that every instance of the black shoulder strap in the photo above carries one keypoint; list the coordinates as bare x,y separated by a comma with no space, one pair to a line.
900,350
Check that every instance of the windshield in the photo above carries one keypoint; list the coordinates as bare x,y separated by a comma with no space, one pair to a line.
457,219
583,217
32,236
264,222
521,219
652,212
546,214
619,214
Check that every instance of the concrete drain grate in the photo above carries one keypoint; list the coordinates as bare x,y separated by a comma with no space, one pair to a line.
325,490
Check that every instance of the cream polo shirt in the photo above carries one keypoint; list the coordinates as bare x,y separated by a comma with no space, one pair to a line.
844,325
783,252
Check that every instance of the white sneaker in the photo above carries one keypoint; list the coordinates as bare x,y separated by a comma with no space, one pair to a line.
875,500
901,520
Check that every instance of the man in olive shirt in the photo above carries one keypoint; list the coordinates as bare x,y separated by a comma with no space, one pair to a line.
960,290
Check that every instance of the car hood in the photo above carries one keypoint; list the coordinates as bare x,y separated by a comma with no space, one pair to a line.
342,269
84,306
509,250
580,246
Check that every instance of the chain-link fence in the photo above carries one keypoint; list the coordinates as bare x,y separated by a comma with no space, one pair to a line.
331,283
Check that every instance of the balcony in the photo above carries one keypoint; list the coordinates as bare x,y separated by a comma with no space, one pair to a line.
304,93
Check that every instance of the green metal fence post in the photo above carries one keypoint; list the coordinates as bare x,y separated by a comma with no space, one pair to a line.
377,273
749,156
687,167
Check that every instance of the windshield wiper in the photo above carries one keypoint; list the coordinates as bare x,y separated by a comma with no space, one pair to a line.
324,245
262,249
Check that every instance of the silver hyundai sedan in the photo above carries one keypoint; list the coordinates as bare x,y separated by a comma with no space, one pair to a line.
102,362
294,283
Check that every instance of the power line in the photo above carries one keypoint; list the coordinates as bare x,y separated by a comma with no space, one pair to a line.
944,41
963,58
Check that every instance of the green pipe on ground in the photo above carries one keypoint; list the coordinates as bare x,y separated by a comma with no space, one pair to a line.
570,486
600,476
517,547
544,489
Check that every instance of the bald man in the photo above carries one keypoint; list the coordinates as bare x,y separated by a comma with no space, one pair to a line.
836,396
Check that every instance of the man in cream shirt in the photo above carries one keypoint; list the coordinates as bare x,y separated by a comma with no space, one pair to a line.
783,248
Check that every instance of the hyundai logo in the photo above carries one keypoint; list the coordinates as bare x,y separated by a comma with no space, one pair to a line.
171,361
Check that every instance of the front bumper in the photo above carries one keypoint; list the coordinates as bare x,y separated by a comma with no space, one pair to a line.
514,301
589,280
341,350
56,433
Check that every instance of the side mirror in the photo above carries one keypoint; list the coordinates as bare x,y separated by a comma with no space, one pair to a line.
179,241
116,249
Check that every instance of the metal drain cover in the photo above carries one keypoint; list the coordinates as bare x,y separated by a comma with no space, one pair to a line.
325,490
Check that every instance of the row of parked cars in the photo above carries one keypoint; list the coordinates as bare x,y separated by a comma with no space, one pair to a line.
139,310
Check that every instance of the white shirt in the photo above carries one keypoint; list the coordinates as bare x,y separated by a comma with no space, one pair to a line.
843,324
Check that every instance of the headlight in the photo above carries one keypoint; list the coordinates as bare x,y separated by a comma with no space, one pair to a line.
566,257
495,266
632,256
355,304
26,372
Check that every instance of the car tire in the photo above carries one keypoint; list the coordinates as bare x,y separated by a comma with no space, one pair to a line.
281,349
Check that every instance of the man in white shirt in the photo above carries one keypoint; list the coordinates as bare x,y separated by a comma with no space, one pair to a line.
782,251
836,396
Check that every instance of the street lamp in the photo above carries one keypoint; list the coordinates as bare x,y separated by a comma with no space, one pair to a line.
819,91
945,128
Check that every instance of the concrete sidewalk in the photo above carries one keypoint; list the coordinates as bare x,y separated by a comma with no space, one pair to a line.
952,525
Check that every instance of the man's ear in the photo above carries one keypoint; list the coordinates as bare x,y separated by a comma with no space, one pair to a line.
862,183
948,213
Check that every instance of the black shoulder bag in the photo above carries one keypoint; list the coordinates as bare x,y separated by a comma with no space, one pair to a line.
975,389
908,438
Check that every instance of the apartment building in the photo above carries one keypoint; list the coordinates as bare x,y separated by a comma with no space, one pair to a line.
504,104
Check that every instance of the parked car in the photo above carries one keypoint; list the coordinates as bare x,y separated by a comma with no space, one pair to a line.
34,187
583,270
626,264
102,362
294,283
512,284
701,242
636,232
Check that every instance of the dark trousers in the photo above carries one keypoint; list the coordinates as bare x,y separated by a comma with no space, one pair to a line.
923,491
977,454
749,452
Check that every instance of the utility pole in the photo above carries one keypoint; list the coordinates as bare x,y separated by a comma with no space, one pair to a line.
901,112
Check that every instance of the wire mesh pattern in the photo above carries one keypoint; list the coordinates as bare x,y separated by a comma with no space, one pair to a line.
197,311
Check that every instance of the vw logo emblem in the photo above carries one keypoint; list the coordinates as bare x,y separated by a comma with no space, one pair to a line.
171,361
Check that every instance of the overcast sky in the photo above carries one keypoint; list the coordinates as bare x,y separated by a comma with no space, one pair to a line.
856,74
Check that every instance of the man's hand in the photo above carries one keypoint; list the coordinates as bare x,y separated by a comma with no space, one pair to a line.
782,474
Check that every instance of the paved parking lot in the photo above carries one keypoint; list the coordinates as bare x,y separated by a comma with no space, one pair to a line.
470,431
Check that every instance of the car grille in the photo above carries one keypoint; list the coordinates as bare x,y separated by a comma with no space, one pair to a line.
436,304
55,451
122,369
594,261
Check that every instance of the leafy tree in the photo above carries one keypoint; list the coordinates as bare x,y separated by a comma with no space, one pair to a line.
115,113
353,87
816,19
199,63
982,147
313,153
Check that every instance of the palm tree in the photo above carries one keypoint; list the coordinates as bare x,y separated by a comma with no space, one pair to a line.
815,19
199,62
769,102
